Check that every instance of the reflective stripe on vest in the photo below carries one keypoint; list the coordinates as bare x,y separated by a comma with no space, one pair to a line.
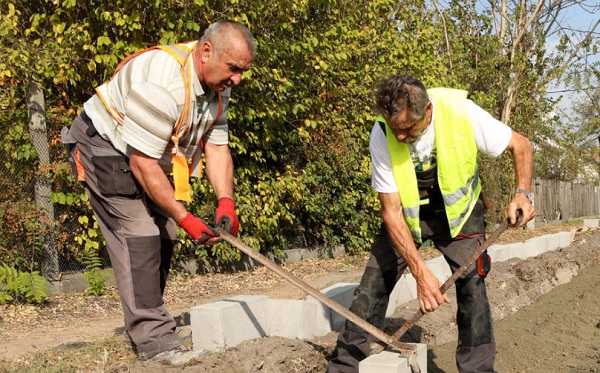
458,173
181,171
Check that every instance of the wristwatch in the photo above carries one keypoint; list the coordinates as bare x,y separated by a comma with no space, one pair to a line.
529,195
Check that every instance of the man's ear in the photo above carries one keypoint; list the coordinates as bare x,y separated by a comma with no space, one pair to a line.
206,49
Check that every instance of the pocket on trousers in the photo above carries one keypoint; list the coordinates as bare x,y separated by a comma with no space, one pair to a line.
484,264
115,177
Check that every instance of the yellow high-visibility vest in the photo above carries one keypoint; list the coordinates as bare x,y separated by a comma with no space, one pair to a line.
457,169
181,171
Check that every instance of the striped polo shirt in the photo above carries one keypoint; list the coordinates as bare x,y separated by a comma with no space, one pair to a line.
149,92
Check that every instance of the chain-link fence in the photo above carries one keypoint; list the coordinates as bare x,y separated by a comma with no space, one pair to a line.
37,233
55,249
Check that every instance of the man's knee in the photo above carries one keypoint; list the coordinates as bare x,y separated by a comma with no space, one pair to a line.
474,315
145,261
352,347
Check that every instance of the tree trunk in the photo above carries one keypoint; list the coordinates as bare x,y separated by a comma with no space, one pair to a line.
43,187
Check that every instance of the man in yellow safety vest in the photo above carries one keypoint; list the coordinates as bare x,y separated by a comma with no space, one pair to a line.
423,150
161,110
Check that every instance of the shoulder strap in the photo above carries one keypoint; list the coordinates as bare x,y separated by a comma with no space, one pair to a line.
181,53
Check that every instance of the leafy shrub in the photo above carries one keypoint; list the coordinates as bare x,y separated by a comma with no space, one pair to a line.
18,286
96,285
22,231
299,122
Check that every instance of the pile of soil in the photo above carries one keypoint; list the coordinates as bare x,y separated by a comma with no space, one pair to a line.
545,312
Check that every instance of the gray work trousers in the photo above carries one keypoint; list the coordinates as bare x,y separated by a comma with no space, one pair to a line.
139,235
476,349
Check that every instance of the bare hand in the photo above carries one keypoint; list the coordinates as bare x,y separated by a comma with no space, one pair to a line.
428,292
522,203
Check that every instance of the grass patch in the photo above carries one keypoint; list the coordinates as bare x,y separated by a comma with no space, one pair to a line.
353,260
110,355
572,222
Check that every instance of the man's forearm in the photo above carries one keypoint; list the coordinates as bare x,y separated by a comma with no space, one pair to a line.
521,149
428,285
522,152
156,184
400,234
219,170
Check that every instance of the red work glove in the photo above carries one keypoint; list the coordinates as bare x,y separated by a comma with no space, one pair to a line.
225,215
198,230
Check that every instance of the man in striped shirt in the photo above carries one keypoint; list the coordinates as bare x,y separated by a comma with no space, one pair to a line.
162,108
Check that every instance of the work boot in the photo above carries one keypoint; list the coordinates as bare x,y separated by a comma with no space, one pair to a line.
179,356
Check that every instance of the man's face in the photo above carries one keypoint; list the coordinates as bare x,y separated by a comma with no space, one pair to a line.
225,70
408,130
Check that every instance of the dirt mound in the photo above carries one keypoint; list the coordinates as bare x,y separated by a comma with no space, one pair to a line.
273,354
559,326
560,330
512,285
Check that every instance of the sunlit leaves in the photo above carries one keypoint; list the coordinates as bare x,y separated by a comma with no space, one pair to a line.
300,120
103,40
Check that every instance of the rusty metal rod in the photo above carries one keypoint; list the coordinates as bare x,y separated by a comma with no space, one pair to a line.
452,279
403,348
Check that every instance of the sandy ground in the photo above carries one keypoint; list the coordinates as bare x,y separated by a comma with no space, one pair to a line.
545,311
546,320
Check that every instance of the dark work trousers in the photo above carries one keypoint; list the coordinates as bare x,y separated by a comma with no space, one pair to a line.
139,235
476,347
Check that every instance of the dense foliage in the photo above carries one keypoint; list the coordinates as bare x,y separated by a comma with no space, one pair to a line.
300,121
19,286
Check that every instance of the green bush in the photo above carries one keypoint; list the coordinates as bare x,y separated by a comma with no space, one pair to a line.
22,231
96,285
17,286
299,122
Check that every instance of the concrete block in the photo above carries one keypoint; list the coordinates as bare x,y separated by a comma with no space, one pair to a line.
406,288
500,253
535,246
573,231
322,317
76,282
560,239
554,240
591,223
290,318
344,296
296,255
226,323
390,361
326,319
496,253
530,225
404,291
440,268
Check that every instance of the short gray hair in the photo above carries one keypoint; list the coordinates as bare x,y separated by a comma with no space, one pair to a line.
220,33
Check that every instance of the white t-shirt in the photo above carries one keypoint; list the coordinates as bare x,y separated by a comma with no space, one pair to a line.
491,136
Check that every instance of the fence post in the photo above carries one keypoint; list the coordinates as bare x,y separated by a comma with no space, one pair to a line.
43,188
